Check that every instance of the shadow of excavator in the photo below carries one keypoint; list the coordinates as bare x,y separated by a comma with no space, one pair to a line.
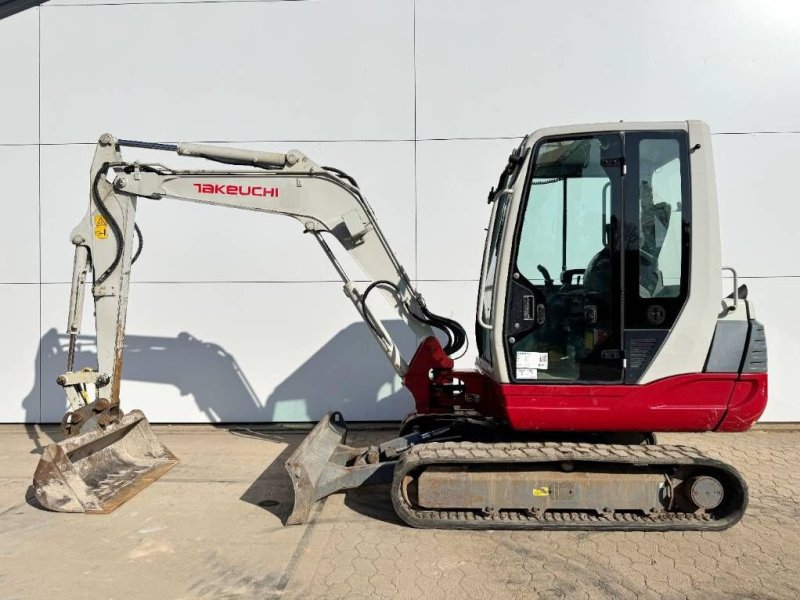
349,374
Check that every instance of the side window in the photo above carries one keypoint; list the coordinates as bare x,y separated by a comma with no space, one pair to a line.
541,237
491,260
487,291
660,230
564,221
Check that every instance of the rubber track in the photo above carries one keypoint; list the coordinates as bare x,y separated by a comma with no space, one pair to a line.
454,453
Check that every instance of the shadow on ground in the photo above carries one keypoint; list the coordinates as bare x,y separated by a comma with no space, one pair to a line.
373,501
272,490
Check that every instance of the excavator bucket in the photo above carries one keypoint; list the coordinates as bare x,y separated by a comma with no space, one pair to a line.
95,472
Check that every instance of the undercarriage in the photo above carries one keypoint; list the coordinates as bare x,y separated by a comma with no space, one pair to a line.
442,480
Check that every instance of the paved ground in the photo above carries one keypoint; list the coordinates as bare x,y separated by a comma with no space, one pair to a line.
212,528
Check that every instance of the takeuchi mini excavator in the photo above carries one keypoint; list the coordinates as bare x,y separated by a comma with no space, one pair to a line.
600,320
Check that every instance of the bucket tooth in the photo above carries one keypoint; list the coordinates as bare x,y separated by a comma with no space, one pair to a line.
97,471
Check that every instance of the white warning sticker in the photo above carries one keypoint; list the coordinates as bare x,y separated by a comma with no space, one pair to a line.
531,360
523,373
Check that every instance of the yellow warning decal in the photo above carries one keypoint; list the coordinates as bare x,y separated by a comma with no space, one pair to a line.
541,491
100,227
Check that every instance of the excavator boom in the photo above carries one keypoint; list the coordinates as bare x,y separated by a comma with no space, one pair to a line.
108,456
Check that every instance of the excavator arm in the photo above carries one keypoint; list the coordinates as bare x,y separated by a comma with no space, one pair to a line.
326,201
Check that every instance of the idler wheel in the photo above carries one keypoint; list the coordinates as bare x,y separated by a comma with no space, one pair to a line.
706,492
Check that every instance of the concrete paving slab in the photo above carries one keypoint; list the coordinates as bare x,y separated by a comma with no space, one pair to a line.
211,528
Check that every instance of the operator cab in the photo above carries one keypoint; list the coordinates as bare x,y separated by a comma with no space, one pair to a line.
597,256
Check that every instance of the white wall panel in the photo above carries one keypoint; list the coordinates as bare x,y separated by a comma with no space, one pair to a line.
229,71
190,242
19,394
19,74
508,67
19,200
64,201
759,202
236,316
776,307
238,352
453,181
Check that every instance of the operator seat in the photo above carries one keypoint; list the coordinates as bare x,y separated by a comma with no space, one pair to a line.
598,274
597,277
654,226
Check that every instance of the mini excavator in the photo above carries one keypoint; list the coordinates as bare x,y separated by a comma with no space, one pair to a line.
600,321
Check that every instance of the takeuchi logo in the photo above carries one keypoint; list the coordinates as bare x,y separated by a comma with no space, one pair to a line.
235,190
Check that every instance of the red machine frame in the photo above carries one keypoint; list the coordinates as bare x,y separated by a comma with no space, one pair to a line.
690,402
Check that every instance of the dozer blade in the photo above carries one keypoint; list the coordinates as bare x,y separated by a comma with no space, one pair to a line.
308,462
323,464
96,472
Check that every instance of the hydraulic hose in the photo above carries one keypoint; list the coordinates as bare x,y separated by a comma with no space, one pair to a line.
112,223
141,242
343,175
456,335
115,228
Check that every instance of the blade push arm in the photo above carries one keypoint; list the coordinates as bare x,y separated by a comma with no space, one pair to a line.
324,200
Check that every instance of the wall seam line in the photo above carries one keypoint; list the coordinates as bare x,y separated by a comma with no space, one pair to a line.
476,138
322,281
416,194
39,367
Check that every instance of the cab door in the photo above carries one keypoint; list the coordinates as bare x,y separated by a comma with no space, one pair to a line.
563,321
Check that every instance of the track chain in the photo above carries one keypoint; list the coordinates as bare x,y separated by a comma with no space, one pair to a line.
450,453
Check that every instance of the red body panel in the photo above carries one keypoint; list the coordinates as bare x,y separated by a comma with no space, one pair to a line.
682,403
691,402
748,401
